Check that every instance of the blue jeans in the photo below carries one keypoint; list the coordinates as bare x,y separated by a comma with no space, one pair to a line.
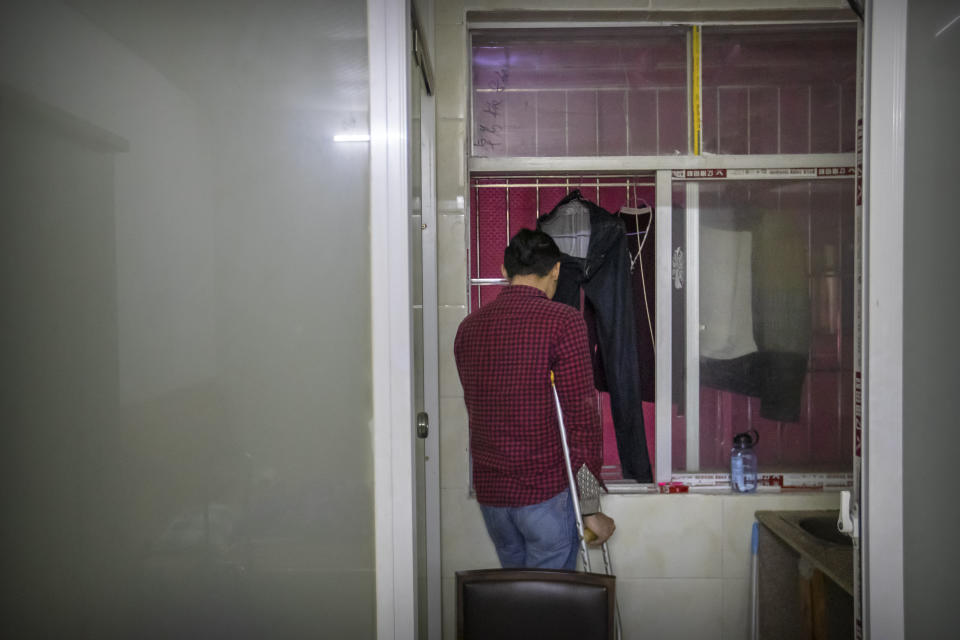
542,535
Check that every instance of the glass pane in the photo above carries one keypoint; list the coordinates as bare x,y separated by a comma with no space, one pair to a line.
775,317
581,92
502,202
186,320
678,304
778,90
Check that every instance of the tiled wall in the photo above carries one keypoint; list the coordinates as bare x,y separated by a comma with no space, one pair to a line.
683,560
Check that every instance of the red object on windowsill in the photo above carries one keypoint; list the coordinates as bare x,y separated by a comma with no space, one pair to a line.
673,487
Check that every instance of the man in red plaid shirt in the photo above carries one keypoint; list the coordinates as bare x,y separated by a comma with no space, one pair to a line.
505,352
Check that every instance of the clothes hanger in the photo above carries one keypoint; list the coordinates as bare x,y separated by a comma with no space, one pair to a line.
636,212
573,195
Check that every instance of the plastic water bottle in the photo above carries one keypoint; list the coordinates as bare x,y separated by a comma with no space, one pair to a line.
743,462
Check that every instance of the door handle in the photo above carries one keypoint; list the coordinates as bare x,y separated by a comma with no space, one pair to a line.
423,425
849,521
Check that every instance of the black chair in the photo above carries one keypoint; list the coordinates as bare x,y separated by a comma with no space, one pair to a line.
527,604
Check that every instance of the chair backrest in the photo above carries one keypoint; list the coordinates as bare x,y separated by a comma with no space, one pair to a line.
503,604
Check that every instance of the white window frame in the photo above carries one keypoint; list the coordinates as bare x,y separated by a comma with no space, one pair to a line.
752,167
664,375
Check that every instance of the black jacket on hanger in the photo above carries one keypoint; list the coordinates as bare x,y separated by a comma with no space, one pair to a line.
604,276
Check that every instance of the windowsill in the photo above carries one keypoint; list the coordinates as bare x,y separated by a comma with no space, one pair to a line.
833,484
719,484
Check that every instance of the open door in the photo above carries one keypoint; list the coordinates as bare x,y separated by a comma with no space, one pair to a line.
851,501
423,267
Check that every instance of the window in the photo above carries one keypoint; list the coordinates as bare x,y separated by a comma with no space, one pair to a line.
503,204
580,92
757,264
779,90
773,313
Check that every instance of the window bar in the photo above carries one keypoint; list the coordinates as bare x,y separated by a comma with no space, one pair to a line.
664,365
688,100
507,192
809,428
839,118
697,88
596,122
536,213
626,117
718,415
838,268
779,118
566,122
809,118
719,149
536,124
657,107
584,88
506,128
748,119
779,424
779,443
477,189
692,327
810,267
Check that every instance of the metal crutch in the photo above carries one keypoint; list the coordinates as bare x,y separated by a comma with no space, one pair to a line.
581,529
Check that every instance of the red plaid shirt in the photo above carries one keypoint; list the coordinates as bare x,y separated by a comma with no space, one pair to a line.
505,352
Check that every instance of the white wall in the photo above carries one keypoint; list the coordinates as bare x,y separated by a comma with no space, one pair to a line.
931,348
682,561
242,319
60,58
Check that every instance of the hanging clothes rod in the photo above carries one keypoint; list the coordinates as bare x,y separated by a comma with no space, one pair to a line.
552,185
563,176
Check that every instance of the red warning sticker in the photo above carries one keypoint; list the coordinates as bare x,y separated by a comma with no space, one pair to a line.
836,171
700,173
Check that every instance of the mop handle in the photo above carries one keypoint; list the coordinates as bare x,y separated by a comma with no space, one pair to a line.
581,530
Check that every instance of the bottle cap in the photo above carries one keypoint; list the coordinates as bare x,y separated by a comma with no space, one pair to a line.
745,440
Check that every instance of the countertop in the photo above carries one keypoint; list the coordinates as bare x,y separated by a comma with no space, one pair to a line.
834,560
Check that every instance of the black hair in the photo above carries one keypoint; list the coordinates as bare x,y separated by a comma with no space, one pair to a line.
530,252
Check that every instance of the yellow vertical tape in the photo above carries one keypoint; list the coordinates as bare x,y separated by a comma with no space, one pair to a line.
696,81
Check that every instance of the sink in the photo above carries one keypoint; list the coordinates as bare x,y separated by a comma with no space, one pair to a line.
824,528
811,534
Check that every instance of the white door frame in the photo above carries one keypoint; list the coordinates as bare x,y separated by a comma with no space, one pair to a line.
882,490
388,46
431,364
